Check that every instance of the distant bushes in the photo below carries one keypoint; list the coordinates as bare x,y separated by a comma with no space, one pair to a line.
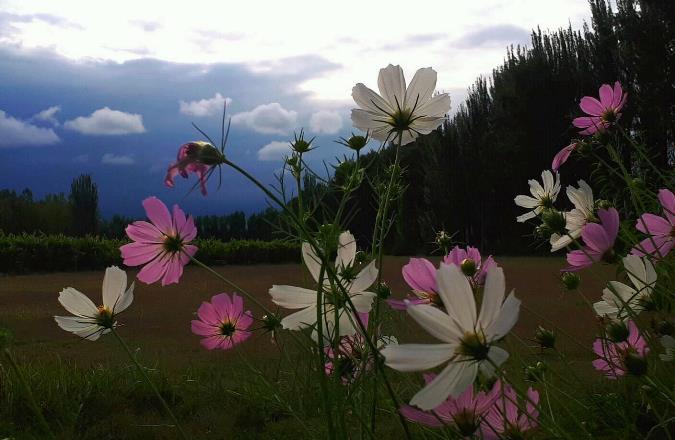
26,253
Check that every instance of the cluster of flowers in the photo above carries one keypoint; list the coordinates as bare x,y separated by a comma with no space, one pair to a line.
589,231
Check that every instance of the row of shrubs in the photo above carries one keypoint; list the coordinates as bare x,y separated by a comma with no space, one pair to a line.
26,253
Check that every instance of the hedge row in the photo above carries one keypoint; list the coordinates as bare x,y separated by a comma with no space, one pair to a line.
52,253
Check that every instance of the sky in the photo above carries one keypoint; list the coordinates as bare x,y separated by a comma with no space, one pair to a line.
111,88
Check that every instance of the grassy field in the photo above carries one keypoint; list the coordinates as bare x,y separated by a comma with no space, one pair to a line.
89,389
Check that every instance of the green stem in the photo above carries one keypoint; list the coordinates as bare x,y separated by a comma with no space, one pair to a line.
141,370
322,359
29,394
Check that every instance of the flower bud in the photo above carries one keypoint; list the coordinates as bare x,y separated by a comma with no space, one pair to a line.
665,328
355,142
571,280
361,257
271,322
603,204
328,237
383,291
635,364
543,231
554,220
443,239
617,331
468,267
544,337
535,373
300,145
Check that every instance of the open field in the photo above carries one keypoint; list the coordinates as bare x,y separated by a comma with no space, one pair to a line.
158,323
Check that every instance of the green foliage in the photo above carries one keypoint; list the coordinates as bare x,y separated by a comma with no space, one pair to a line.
24,253
84,203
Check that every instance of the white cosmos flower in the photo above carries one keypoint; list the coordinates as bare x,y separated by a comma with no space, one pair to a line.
410,111
622,301
542,196
467,339
292,297
576,219
89,321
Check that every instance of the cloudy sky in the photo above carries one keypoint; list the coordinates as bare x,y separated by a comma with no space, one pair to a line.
111,88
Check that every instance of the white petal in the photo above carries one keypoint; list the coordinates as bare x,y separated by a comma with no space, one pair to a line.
641,273
457,296
417,357
77,303
364,279
559,241
421,88
438,106
547,180
452,381
526,216
426,125
363,301
125,300
347,323
114,285
346,252
536,189
407,137
80,327
292,297
311,260
365,120
391,83
301,319
498,356
437,323
603,308
508,316
368,100
526,202
493,296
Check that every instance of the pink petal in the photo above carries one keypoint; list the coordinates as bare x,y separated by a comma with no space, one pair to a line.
135,254
212,342
419,416
174,270
591,106
202,329
653,225
144,232
223,306
178,219
610,223
244,321
420,274
606,96
562,156
158,214
189,231
596,238
208,314
578,260
617,96
656,246
154,270
667,199
456,256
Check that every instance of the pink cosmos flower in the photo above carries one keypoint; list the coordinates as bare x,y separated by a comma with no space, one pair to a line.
471,263
617,358
562,156
420,274
599,240
222,322
464,412
162,245
504,420
660,229
190,159
602,113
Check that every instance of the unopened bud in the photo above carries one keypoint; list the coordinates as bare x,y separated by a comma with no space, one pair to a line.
300,145
468,267
635,364
571,280
554,220
383,291
617,331
544,337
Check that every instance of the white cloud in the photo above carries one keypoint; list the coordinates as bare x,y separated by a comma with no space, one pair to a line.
268,118
16,133
48,115
111,159
105,121
325,121
204,107
275,150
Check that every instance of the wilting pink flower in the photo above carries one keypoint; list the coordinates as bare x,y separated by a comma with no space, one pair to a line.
353,356
222,322
562,156
194,157
471,263
660,229
598,239
602,113
162,245
420,274
464,412
618,358
504,420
